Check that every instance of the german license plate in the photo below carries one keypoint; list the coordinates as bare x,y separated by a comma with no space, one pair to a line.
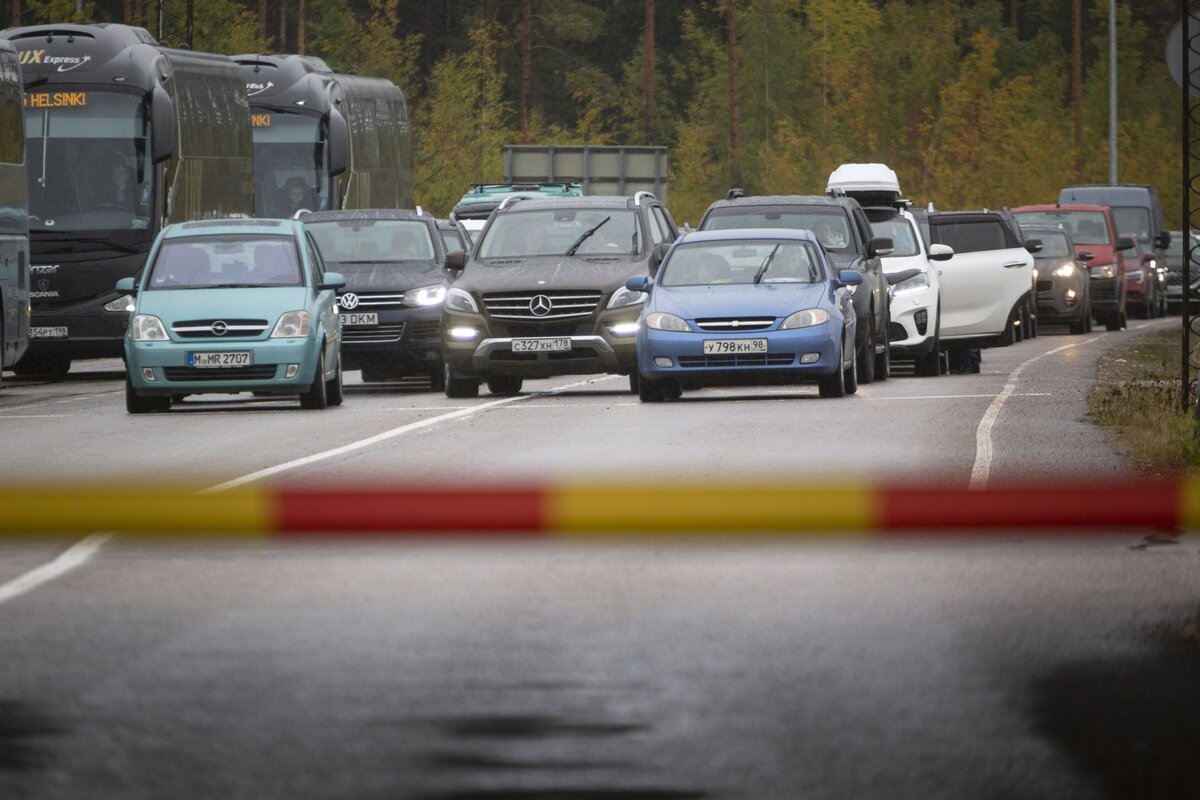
240,358
360,319
715,347
54,332
557,345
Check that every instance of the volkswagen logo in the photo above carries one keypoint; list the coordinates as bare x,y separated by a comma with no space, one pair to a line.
219,328
540,305
348,301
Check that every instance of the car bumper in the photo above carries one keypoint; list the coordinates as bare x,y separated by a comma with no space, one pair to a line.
407,338
785,349
1106,295
1062,298
914,321
160,368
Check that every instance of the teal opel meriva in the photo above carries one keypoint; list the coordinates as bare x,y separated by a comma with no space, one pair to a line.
233,306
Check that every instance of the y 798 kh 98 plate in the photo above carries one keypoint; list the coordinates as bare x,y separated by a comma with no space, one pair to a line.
716,347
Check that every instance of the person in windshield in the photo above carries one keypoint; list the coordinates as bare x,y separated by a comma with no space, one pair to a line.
830,236
299,196
789,266
407,247
119,192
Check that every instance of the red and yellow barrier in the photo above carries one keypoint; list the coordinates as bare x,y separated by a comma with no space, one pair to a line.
577,509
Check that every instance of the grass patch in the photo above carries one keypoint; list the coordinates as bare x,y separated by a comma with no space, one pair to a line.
1136,398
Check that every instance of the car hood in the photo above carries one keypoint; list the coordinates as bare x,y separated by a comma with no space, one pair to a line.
844,260
603,273
172,305
762,299
386,276
1045,265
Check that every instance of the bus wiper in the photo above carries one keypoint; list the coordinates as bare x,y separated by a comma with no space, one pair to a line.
38,81
766,263
108,244
583,236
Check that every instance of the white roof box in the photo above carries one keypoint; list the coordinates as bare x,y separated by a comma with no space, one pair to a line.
872,179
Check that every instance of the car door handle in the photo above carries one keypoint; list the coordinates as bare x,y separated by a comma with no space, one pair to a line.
1014,265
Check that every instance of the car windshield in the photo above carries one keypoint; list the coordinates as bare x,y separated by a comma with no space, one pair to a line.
567,231
1054,245
372,240
1085,227
1133,221
829,223
904,238
742,262
205,262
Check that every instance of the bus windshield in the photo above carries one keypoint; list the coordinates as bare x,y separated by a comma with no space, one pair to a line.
289,164
87,161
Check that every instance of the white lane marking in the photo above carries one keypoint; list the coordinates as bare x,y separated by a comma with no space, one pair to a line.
391,434
982,467
957,396
74,556
35,416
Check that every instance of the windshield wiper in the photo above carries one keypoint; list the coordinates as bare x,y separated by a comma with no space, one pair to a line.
108,244
583,236
766,263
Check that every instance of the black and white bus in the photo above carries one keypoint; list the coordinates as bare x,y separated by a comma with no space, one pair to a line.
325,140
14,234
122,136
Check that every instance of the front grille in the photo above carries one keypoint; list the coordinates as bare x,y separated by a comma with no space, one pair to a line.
739,360
573,354
374,333
373,302
426,329
260,372
519,305
1174,279
234,328
735,323
1045,286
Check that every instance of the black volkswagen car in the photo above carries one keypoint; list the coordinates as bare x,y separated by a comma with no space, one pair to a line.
544,292
393,262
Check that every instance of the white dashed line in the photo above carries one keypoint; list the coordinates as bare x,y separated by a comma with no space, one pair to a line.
74,556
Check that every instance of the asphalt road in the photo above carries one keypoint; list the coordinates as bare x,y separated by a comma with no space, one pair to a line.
1016,666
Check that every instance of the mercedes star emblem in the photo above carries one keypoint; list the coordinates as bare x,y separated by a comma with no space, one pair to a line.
348,301
540,305
219,328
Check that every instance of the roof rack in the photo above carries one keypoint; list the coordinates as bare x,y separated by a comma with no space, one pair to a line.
637,197
735,194
420,211
508,201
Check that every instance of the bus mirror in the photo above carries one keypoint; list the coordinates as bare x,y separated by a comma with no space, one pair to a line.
162,126
337,140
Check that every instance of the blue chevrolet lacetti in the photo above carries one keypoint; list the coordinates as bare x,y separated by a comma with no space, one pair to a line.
746,306
233,306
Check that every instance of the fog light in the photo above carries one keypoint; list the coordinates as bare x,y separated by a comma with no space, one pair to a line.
148,373
664,362
624,329
810,358
463,332
1070,294
292,369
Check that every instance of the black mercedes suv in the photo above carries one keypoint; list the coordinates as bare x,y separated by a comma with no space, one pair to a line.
543,292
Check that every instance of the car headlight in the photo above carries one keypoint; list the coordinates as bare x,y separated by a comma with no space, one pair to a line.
805,319
293,323
623,298
661,321
1064,271
1135,275
459,300
425,296
122,303
917,283
1103,270
147,328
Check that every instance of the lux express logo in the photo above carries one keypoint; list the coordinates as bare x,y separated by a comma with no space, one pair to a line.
64,63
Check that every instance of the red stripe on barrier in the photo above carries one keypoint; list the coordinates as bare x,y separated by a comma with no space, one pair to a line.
1091,506
516,511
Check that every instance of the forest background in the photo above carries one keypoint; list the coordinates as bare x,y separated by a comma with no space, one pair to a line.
974,103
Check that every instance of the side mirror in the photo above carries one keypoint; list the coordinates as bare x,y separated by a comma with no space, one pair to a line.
1033,245
851,277
900,277
1163,240
127,285
880,246
162,125
455,260
940,252
1147,258
333,280
638,283
1126,243
1085,255
656,257
337,141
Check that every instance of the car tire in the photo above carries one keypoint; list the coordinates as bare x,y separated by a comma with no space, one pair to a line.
136,404
850,376
504,384
1032,333
334,389
834,384
1112,322
1077,326
929,365
316,397
651,390
883,361
457,387
43,366
865,357
634,381
437,378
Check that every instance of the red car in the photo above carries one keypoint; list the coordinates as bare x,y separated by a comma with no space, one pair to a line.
1093,230
1145,287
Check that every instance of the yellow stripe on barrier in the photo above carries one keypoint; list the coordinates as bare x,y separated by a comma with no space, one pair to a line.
724,510
178,511
1189,503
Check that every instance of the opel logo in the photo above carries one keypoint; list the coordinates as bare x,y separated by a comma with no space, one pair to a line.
349,301
540,305
219,328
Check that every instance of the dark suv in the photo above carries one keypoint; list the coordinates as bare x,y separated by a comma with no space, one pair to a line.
843,230
543,292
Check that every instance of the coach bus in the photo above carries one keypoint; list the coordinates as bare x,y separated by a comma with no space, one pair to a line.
325,140
14,235
122,136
